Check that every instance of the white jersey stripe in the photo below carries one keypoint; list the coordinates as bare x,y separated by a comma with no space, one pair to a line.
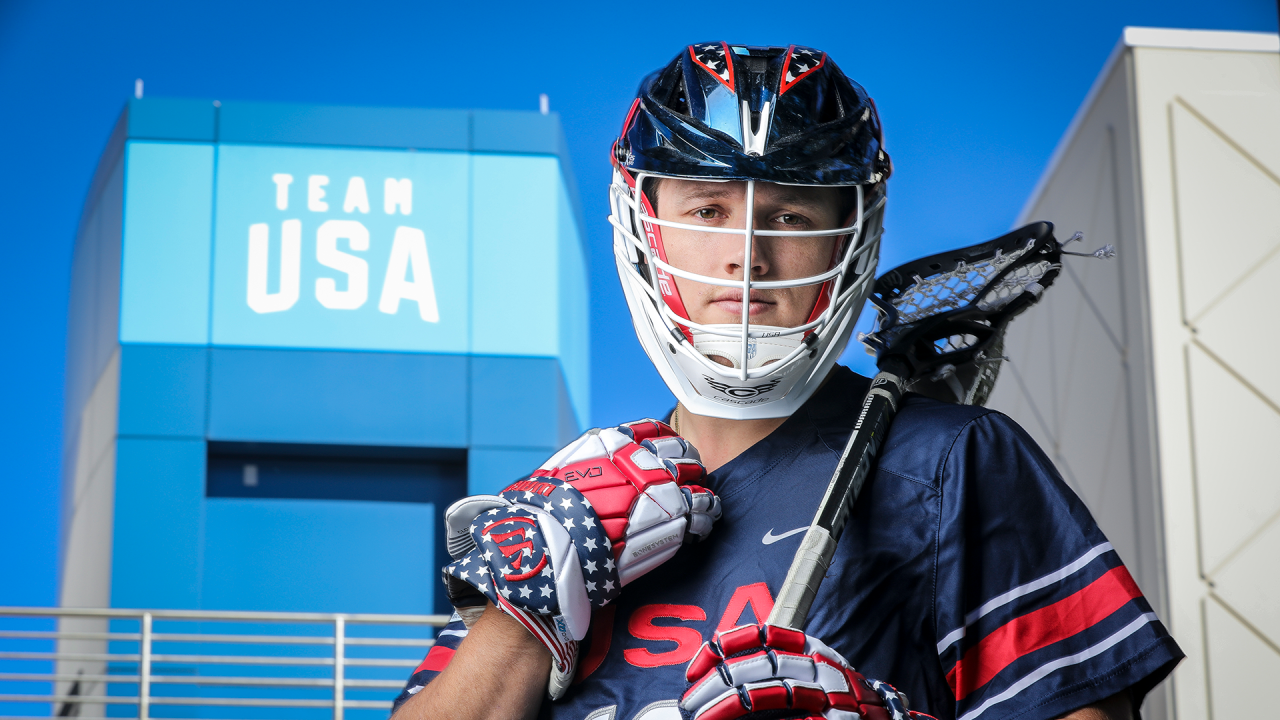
1002,600
1042,671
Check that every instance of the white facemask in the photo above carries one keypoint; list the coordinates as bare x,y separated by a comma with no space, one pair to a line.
763,371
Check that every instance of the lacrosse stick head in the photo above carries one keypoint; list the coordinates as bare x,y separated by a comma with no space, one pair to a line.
943,317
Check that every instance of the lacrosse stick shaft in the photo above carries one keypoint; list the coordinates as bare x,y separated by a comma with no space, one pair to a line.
818,547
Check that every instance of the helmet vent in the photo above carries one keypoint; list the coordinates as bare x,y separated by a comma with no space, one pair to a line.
833,109
670,91
679,100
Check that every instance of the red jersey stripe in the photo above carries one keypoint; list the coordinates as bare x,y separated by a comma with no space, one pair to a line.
1041,628
436,660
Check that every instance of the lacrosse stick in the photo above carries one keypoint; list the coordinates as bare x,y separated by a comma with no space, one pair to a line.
942,321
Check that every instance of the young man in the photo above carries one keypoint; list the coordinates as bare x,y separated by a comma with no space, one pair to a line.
748,194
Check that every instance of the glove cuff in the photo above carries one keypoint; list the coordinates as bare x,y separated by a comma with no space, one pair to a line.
564,654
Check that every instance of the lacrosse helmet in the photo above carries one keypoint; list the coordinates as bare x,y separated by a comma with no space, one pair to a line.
721,112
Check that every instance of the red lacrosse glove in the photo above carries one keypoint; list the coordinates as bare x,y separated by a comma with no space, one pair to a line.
608,508
757,668
639,479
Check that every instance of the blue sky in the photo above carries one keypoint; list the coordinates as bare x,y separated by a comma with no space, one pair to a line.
974,97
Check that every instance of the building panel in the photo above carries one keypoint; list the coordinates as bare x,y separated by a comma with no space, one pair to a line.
507,391
91,334
490,469
517,235
172,119
346,398
168,220
574,349
270,123
158,523
164,391
87,543
1174,159
359,554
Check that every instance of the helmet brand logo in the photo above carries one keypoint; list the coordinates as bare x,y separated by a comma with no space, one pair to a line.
664,279
748,391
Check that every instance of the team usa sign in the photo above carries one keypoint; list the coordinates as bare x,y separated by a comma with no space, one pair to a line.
408,273
319,247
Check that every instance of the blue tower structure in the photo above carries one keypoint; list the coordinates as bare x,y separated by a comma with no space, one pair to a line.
296,334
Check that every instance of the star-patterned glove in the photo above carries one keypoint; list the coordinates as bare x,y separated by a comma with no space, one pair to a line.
769,670
605,510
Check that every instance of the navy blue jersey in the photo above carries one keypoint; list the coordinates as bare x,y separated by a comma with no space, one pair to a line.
969,576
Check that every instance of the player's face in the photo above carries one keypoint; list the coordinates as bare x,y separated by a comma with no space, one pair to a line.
721,255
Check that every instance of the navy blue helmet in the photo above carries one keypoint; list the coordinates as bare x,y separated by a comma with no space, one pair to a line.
738,112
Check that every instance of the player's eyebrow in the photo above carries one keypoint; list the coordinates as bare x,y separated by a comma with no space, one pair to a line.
722,191
793,198
712,192
707,191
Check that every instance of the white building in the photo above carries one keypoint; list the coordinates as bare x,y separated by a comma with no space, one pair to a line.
1152,379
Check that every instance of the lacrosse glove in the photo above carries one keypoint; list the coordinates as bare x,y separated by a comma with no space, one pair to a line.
770,669
605,510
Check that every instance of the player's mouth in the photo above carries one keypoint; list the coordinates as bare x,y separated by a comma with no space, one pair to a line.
730,301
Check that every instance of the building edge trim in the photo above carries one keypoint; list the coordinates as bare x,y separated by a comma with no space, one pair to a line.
1178,39
1146,37
1069,136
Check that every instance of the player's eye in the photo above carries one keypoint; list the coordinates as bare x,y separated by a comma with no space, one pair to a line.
791,219
706,213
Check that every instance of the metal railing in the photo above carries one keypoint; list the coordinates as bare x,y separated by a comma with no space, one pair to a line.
102,664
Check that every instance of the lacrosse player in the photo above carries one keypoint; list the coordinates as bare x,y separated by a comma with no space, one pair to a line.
620,581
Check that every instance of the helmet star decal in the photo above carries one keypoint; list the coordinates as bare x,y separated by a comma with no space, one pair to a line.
714,58
799,63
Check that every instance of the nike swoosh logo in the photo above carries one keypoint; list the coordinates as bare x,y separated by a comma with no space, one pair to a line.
770,538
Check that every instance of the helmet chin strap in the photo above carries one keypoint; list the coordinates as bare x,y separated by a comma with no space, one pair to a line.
759,352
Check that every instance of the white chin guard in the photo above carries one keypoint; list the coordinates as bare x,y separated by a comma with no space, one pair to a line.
760,351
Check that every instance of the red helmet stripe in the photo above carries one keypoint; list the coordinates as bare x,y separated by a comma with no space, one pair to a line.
828,287
728,61
666,282
784,86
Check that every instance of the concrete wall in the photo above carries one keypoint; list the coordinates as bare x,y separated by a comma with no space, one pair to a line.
1148,377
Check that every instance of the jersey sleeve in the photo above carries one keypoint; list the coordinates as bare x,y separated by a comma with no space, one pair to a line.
1036,615
437,658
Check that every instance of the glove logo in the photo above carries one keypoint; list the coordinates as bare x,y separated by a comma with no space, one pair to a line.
571,475
522,549
541,488
748,391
